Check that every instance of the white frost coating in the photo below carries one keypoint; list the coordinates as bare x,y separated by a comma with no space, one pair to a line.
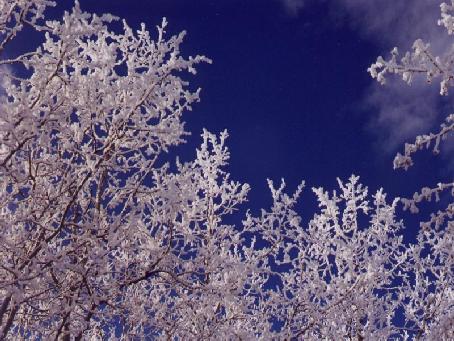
432,293
447,20
422,61
99,242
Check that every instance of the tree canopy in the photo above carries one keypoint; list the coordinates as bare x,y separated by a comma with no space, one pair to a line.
101,240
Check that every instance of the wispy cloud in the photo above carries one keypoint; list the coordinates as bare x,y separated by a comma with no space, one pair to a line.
398,21
293,7
393,21
401,111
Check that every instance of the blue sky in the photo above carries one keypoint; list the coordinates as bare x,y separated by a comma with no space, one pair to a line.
289,83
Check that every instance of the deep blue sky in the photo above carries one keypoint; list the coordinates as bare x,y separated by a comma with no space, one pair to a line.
289,87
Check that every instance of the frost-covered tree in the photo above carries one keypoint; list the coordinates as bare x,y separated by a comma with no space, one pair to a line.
431,299
99,240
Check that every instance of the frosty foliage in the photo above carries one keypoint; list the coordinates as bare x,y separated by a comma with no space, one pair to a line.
100,241
433,255
422,61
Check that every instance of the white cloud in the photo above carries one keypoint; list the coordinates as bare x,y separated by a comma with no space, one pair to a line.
398,22
293,6
401,111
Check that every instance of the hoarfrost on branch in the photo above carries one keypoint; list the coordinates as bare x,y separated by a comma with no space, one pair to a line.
99,240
